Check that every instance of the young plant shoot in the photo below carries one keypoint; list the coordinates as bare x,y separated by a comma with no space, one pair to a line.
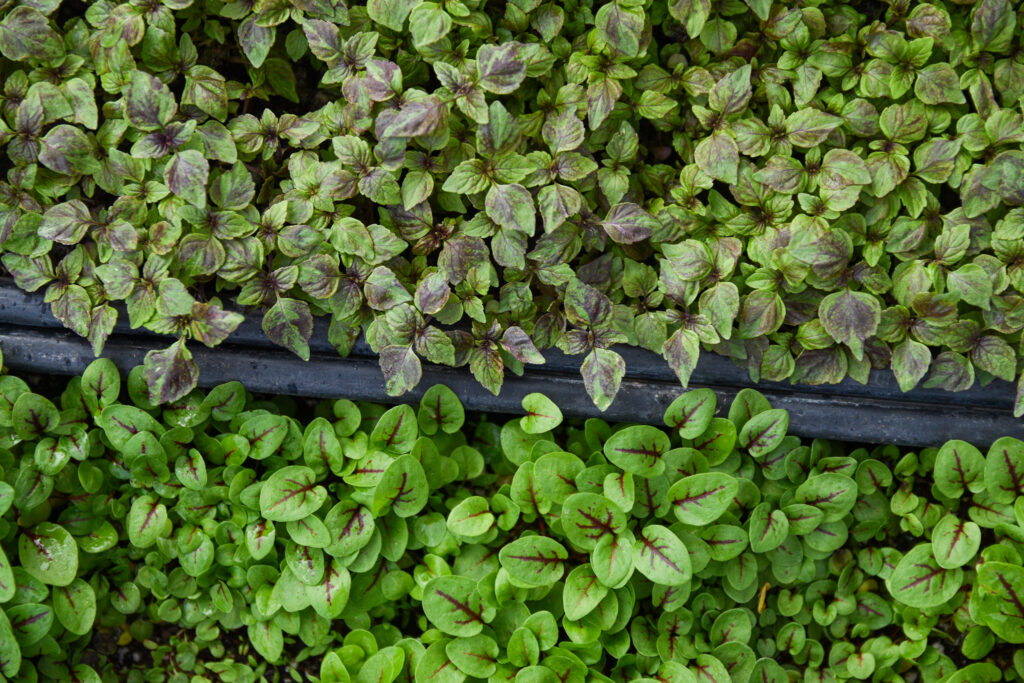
813,189
223,537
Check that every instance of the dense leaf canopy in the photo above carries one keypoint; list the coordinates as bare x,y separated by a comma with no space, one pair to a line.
224,537
814,189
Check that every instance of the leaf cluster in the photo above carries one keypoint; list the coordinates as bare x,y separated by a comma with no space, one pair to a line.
812,189
241,539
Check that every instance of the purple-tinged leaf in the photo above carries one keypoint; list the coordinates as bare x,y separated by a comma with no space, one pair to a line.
255,40
602,372
289,323
621,26
148,103
26,35
732,92
170,373
519,345
511,206
501,68
850,318
186,176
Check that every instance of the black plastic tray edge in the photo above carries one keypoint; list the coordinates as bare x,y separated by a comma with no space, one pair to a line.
21,308
846,418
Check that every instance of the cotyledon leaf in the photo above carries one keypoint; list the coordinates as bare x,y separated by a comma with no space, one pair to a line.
959,468
768,528
691,413
49,553
534,560
436,665
329,597
440,409
542,414
1000,595
659,555
7,587
955,541
259,538
638,449
471,517
763,432
396,430
453,604
75,606
747,403
709,669
767,670
403,487
583,591
717,441
290,494
612,558
919,581
351,527
589,517
476,656
396,201
702,498
146,521
10,651
1004,469
832,493
979,672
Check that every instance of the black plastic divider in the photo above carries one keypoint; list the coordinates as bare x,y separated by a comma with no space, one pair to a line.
878,412
813,413
27,309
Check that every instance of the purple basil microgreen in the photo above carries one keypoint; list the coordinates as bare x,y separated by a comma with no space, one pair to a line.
684,179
